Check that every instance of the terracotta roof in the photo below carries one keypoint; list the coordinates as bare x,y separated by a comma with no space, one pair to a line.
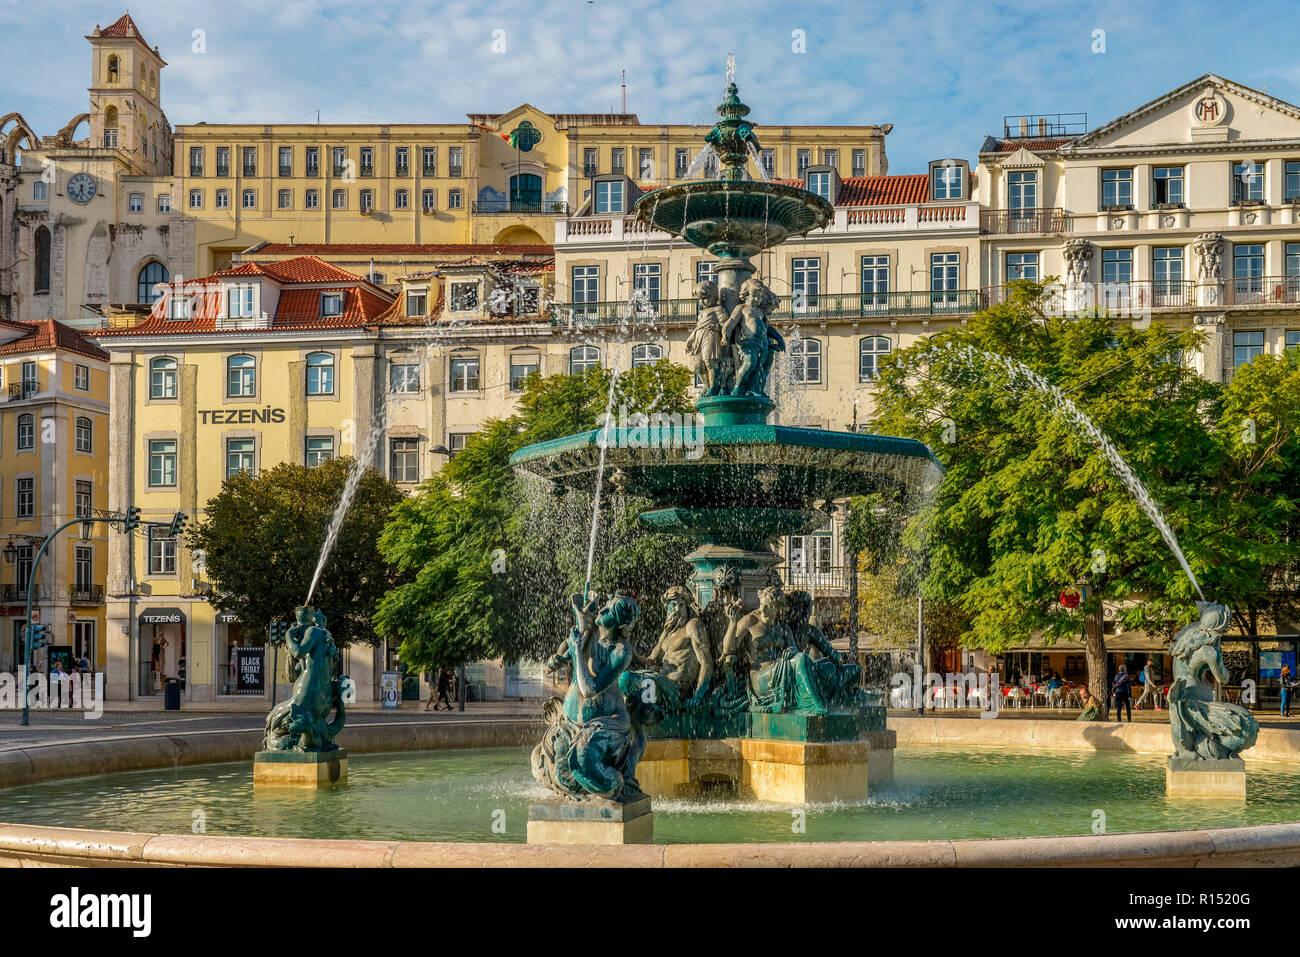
121,28
1034,145
297,308
45,334
884,190
401,249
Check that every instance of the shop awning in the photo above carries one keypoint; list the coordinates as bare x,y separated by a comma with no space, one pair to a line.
162,616
1135,640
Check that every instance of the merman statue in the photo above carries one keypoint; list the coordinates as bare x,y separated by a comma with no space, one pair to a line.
595,737
302,723
839,682
1202,727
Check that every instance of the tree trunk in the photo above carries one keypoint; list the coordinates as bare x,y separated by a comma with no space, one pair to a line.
1094,648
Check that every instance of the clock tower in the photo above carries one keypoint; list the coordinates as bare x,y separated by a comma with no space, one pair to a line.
126,99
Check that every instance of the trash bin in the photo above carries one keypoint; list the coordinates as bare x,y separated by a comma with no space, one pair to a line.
172,695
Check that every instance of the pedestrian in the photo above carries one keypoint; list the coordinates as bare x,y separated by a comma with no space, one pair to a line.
431,679
1148,680
56,683
1122,691
83,665
1287,685
444,688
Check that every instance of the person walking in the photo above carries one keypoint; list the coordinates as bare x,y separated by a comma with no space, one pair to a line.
431,679
56,683
444,689
1147,678
1121,690
1287,685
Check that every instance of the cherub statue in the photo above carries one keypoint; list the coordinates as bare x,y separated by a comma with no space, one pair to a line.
1202,727
705,344
753,338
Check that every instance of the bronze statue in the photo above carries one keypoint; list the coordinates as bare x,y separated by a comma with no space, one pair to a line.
706,345
684,653
302,722
759,645
753,338
1201,726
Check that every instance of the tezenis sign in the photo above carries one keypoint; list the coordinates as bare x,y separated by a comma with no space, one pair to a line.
239,416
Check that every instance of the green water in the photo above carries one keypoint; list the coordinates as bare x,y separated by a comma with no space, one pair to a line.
483,795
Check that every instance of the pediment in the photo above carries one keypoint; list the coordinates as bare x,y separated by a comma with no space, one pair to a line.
1209,109
1023,159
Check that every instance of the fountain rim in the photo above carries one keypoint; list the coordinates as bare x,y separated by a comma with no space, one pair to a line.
823,212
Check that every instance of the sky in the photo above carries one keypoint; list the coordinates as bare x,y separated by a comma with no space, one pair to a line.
944,72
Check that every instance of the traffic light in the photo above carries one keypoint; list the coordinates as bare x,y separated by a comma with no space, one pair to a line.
177,524
132,521
39,635
279,630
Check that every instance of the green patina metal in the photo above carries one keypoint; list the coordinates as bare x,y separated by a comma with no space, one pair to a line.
302,723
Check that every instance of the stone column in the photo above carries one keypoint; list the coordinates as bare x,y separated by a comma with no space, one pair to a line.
120,619
368,380
1212,362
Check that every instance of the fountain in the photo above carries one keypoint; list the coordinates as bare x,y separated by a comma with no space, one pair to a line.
742,687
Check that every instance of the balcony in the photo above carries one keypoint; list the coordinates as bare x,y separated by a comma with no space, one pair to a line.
1135,296
1263,291
429,169
820,581
455,172
87,595
877,305
23,390
367,169
505,204
1009,222
17,594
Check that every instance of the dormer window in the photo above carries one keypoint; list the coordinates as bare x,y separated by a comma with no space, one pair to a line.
331,304
948,180
820,183
241,301
464,296
609,197
180,307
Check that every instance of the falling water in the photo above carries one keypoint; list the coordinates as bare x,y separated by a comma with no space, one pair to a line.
697,164
355,473
1064,406
758,161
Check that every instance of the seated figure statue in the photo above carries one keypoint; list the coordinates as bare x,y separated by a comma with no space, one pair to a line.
302,722
712,359
839,682
754,339
684,655
781,679
595,737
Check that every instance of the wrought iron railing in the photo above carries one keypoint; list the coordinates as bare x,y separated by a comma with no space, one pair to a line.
1004,222
87,595
505,204
1263,291
950,302
817,579
1127,297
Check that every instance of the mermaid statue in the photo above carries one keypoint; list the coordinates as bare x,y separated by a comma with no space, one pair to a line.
595,737
1203,728
302,722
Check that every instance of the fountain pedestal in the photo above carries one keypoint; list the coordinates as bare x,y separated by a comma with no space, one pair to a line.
1197,778
298,769
560,820
771,770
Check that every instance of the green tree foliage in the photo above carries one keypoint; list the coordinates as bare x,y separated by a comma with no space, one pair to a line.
492,557
261,537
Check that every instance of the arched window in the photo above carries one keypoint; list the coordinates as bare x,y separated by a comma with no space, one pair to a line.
110,127
26,432
42,276
806,361
284,199
311,199
250,199
223,199
402,199
367,199
85,434
643,355
150,276
339,199
320,373
162,378
114,71
526,193
869,355
429,199
582,358
241,376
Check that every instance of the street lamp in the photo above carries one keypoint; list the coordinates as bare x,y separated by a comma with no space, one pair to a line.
10,552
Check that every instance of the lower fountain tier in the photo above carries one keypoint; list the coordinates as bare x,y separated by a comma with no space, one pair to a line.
733,466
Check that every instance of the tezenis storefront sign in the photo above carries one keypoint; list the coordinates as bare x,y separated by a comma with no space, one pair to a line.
239,416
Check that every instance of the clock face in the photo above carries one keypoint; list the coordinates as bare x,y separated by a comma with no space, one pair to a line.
82,188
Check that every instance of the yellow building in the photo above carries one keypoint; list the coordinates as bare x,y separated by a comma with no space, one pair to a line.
53,469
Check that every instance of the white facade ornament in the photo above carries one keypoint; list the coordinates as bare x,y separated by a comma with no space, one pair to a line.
1117,222
1209,109
1250,218
1078,261
1209,250
1167,220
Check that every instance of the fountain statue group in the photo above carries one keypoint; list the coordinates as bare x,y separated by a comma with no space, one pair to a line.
1202,727
718,659
734,345
302,722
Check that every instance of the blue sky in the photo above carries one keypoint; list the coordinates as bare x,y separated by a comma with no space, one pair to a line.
944,73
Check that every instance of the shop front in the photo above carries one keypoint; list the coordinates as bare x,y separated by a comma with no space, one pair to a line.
162,650
241,661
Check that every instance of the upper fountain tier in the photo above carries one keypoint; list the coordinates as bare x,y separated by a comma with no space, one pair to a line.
732,217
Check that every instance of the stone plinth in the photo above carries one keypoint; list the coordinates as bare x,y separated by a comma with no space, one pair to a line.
767,769
562,821
299,769
836,726
1196,778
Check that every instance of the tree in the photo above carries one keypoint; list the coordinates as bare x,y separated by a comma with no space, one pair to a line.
493,556
1029,507
261,538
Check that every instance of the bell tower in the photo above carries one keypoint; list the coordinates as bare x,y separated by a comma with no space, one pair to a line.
126,97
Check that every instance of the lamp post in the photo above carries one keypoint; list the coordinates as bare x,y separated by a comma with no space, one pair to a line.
129,522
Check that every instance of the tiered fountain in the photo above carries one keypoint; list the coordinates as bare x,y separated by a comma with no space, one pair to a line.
741,687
